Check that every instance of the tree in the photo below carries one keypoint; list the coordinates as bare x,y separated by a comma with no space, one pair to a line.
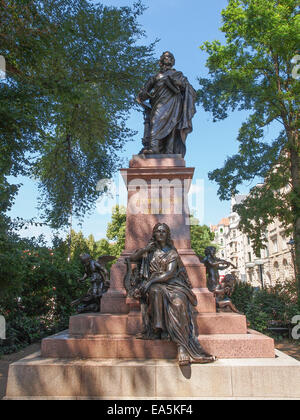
116,230
78,245
91,243
253,71
73,71
201,237
103,247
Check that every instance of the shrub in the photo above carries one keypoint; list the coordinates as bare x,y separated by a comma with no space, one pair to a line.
242,295
39,303
262,307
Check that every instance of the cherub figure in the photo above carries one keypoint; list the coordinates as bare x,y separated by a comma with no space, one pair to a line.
213,265
98,276
223,293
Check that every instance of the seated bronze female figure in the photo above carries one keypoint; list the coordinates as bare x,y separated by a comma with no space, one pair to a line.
161,283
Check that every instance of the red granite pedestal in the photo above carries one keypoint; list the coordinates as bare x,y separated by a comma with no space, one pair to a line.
157,192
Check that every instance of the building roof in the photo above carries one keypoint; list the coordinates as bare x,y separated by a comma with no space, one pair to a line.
224,221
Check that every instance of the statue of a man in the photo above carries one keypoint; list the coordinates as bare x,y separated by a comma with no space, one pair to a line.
168,116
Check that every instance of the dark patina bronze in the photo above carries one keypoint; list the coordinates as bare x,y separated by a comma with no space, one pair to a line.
98,277
160,282
213,265
223,294
168,100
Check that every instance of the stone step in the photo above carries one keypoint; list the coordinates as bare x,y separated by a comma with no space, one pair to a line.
206,323
114,301
36,378
64,345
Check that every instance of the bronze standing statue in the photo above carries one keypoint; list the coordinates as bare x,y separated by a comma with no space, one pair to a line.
168,100
98,276
161,283
213,265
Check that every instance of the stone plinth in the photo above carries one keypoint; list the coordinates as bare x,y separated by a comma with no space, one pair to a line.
158,187
205,323
158,161
45,378
121,346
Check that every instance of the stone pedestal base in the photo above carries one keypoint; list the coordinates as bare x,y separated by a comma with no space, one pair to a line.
224,335
96,324
121,346
39,378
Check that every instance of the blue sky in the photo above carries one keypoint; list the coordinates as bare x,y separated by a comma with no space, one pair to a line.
182,26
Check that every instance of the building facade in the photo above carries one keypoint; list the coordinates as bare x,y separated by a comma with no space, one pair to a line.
275,263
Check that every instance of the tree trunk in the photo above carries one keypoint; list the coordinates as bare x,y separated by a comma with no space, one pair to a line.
70,235
295,178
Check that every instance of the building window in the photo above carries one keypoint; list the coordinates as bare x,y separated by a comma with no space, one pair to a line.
285,269
249,257
275,245
276,271
283,242
250,277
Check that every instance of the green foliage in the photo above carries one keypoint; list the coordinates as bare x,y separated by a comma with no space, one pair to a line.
265,306
38,284
253,72
103,247
79,245
73,70
39,287
116,230
242,295
201,237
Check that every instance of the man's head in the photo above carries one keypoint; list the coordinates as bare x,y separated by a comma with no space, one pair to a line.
167,60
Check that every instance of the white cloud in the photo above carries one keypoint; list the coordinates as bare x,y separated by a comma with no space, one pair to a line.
36,231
